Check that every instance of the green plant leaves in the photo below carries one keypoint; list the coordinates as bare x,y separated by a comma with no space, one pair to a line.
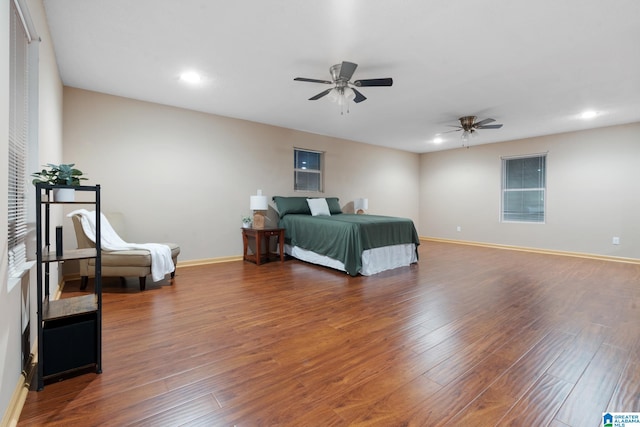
63,174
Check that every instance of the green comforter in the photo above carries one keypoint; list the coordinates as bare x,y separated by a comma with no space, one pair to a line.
345,236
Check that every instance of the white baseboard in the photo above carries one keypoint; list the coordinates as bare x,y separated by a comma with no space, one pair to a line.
12,415
536,250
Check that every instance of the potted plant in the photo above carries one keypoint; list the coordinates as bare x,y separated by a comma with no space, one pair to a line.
63,174
246,221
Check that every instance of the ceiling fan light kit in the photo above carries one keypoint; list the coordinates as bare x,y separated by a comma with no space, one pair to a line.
341,95
344,90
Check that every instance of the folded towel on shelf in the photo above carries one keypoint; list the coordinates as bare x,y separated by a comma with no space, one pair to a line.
161,261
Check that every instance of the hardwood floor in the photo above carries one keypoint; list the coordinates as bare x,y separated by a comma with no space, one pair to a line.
469,337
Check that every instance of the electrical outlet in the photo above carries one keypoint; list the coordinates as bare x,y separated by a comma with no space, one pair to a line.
458,228
616,240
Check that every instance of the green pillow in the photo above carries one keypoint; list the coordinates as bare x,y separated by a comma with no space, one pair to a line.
334,205
291,205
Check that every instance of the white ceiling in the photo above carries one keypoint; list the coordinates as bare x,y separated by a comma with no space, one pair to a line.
531,65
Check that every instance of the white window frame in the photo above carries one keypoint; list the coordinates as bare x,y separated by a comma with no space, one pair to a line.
505,189
297,186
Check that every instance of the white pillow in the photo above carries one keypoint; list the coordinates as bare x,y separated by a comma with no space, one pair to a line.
318,207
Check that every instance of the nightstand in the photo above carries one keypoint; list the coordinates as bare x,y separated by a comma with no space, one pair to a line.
260,235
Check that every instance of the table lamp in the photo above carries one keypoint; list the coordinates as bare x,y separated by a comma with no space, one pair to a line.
259,206
361,205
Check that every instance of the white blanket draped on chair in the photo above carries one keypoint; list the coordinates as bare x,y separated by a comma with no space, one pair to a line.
161,262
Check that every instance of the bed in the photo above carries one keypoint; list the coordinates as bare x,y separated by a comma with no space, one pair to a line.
355,244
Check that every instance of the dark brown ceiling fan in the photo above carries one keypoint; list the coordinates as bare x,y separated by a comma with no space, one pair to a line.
469,126
343,88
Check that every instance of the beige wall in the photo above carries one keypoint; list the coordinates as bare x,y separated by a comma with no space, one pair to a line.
186,177
49,133
592,193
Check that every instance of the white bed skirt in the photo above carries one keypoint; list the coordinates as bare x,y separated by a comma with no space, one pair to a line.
373,260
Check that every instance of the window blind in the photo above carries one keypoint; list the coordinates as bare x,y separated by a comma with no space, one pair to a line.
524,188
18,125
307,170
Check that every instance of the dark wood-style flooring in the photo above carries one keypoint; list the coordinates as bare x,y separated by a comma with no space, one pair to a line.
470,336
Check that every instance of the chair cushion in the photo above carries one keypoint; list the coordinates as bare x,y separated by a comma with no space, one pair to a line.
132,257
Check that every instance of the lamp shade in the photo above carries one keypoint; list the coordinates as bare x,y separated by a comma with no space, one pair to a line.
349,94
259,202
333,95
360,204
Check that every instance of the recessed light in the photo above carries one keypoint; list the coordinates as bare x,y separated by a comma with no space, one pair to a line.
190,77
590,114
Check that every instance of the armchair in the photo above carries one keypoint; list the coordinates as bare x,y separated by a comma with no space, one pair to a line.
118,263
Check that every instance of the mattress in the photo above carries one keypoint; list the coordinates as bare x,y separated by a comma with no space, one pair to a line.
356,242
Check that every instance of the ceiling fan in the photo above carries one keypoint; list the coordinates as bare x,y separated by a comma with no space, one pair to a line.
469,125
343,89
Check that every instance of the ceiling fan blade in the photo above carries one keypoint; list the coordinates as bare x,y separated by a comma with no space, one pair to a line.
374,82
320,95
489,127
346,70
455,130
304,79
483,122
359,97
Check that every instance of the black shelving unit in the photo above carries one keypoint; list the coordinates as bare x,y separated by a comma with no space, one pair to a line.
69,329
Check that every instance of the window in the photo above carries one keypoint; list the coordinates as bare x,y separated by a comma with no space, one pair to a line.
307,170
523,188
18,140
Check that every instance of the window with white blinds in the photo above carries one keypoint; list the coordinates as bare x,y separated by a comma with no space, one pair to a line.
18,125
307,170
524,188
